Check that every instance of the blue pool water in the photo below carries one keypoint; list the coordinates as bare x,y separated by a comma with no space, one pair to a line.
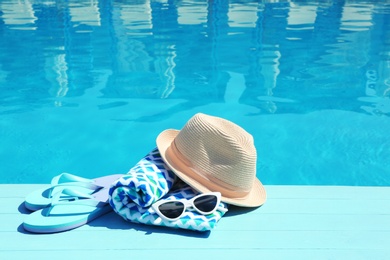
86,86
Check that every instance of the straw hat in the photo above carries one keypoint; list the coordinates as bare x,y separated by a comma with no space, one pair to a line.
214,154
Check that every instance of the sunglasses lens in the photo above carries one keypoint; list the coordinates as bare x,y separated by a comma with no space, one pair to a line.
206,203
172,209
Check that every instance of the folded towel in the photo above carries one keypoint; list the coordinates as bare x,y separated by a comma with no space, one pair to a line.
134,203
148,181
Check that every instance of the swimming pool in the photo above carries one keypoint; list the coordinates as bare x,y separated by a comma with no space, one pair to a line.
86,86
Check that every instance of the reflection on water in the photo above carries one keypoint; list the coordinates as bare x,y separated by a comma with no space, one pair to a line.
321,55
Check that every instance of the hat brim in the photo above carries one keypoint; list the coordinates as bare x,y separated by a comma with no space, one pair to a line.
255,198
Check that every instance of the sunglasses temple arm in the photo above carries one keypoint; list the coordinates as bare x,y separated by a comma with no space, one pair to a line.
224,210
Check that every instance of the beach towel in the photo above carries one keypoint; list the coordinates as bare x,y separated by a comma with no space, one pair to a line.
151,180
148,181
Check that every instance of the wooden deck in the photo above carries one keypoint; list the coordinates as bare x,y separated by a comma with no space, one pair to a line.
297,222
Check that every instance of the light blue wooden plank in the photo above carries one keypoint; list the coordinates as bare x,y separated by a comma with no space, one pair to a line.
202,254
327,206
274,206
365,205
188,254
253,222
18,190
285,234
12,205
158,239
261,219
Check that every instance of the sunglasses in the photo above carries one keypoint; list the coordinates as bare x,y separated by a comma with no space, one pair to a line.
205,204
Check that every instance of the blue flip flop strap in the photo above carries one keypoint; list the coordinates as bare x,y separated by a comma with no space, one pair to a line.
75,189
67,179
73,197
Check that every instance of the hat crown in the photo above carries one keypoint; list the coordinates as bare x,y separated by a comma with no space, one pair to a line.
220,150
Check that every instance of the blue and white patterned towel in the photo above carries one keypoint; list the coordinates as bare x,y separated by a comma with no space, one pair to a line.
135,206
148,181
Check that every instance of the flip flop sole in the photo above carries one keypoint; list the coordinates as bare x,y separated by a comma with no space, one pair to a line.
40,222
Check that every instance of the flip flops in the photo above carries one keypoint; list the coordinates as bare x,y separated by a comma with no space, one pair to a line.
64,213
42,198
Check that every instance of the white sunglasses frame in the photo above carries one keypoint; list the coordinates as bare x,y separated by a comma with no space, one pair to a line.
189,203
